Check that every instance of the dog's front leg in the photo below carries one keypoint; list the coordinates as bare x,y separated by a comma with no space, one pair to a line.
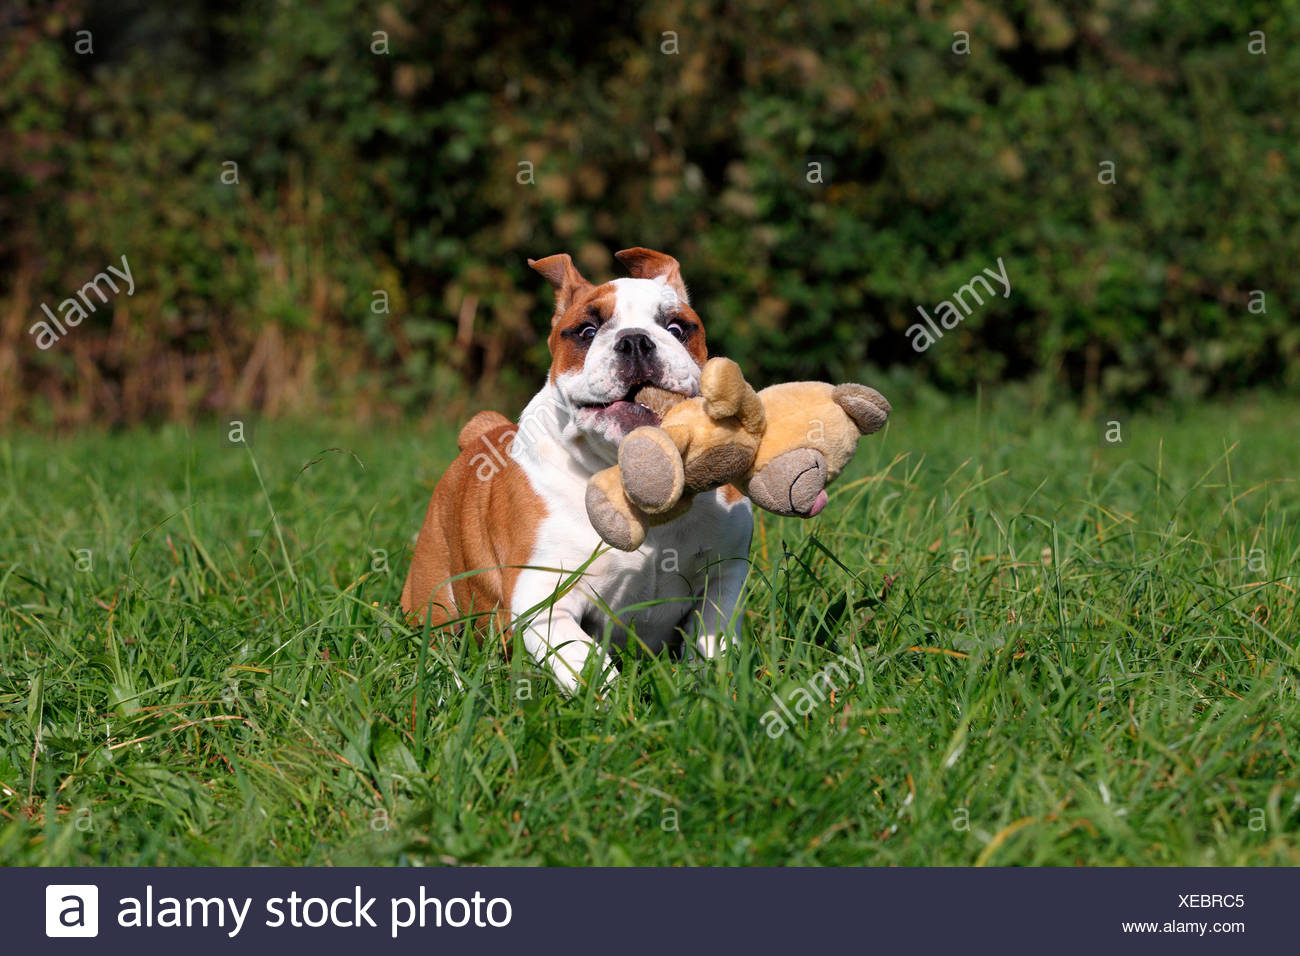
555,640
715,621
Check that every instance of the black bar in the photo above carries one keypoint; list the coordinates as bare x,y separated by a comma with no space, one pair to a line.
663,911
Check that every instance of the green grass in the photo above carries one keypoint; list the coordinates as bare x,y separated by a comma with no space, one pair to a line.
1073,655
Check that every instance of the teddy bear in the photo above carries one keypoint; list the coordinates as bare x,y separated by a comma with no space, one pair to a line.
780,447
701,443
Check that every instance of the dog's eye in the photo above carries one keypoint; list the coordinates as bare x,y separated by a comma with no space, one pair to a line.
587,332
677,331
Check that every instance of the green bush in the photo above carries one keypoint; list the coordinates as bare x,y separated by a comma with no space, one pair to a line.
682,126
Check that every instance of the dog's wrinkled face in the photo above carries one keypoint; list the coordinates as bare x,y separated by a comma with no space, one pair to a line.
609,341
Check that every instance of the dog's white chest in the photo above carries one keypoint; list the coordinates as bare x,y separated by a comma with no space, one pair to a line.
652,591
648,592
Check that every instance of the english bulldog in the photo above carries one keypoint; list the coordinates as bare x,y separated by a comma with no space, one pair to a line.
506,531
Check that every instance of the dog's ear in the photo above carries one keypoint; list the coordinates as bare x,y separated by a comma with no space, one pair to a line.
648,264
567,280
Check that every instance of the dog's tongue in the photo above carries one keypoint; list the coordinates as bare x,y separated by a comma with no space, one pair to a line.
630,415
658,400
818,503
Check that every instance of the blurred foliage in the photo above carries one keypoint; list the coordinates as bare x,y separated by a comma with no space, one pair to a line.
379,148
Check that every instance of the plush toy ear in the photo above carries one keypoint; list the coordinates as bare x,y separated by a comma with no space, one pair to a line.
867,407
648,264
560,273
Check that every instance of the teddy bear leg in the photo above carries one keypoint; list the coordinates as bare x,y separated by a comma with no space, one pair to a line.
791,484
615,518
653,474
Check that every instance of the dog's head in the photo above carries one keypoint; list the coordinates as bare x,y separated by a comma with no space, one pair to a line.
608,341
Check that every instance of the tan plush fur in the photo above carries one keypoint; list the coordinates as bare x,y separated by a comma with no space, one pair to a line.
699,443
781,447
812,434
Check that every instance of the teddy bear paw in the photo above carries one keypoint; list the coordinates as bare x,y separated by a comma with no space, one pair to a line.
654,476
612,524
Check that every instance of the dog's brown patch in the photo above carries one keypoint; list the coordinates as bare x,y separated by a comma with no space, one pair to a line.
459,534
568,350
731,495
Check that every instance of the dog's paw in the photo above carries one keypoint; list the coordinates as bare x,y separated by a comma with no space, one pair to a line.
575,664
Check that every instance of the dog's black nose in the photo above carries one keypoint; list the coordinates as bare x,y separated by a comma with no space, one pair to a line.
634,344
